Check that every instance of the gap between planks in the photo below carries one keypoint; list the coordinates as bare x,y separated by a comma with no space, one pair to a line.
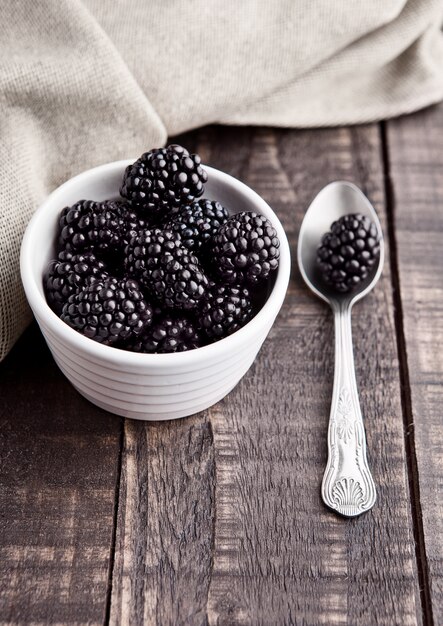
405,390
115,521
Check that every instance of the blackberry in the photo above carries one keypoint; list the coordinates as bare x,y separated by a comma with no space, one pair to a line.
225,309
164,179
74,225
101,226
245,249
126,220
159,260
197,223
168,334
348,252
145,250
70,273
108,311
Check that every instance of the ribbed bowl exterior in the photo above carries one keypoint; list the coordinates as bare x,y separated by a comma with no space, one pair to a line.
150,394
147,387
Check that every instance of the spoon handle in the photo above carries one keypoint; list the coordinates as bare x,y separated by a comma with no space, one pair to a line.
347,486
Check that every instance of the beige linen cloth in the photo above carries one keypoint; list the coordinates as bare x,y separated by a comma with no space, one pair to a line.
84,82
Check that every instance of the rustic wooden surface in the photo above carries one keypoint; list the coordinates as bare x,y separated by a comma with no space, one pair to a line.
59,460
415,162
217,519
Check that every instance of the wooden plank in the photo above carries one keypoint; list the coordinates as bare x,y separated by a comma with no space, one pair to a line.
58,469
267,551
416,171
165,524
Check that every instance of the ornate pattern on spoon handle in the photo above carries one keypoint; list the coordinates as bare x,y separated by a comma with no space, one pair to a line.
347,487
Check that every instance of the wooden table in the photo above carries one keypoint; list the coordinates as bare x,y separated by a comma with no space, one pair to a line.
217,518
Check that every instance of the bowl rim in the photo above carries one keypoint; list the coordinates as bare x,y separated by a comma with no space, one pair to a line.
96,350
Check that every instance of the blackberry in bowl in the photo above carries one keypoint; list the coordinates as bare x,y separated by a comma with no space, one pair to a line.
225,309
163,179
246,249
166,267
169,333
68,274
125,377
109,311
198,223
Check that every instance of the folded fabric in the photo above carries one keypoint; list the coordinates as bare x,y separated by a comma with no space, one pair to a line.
86,82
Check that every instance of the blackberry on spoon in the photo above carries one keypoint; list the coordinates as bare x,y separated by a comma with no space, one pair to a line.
348,252
334,199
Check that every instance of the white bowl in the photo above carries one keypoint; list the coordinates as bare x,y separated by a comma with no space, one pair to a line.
146,386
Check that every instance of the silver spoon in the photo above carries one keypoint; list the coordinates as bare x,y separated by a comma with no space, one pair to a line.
347,485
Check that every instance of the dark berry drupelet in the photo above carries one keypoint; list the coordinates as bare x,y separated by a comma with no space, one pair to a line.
109,311
198,222
169,333
162,264
225,309
348,252
164,179
99,226
245,249
70,273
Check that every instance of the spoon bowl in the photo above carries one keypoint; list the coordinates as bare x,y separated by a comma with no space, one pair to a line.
333,202
348,486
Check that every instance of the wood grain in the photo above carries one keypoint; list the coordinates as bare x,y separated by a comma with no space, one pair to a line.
230,528
415,147
165,524
58,468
